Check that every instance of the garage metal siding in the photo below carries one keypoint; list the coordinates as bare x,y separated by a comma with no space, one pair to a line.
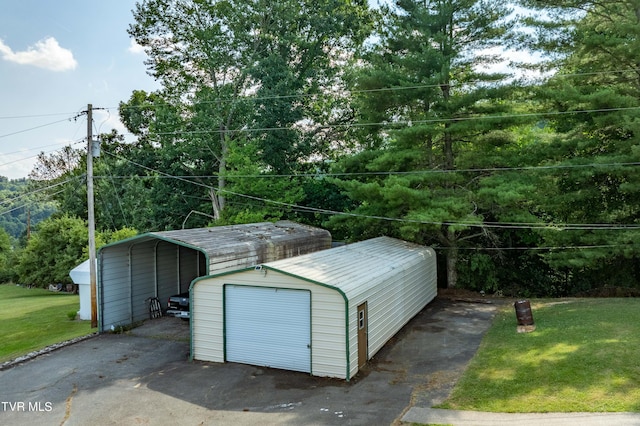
143,284
268,326
396,278
167,271
328,340
329,337
207,323
189,267
114,289
401,293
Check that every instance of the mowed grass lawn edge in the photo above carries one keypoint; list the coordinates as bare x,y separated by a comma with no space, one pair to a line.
33,319
583,357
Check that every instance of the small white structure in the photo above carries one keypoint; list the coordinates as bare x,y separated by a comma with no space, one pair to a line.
325,313
80,276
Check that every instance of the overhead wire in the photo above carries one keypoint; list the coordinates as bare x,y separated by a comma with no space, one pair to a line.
49,196
37,191
321,174
409,123
303,209
381,89
32,128
53,114
392,124
34,192
482,225
303,95
545,248
385,173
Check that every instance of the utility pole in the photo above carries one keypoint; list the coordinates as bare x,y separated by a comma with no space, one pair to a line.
91,220
28,223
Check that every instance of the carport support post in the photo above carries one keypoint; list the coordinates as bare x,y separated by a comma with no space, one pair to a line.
91,219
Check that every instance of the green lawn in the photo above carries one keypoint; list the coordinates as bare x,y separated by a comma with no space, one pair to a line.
34,318
583,356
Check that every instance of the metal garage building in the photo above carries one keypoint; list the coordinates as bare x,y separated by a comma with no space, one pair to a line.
161,264
325,313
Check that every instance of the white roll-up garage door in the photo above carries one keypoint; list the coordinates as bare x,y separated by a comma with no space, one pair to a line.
269,327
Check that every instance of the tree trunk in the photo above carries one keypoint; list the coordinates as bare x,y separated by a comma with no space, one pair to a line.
215,204
222,172
452,267
448,150
448,238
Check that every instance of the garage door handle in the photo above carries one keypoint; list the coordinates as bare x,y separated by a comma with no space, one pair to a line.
309,346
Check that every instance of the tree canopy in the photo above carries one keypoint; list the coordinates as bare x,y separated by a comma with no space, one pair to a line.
408,120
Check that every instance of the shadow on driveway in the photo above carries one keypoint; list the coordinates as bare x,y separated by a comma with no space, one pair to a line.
145,377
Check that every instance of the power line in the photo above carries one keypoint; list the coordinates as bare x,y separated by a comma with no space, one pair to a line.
12,200
35,155
382,173
379,173
302,95
36,191
381,89
11,117
49,196
407,123
33,128
541,248
481,225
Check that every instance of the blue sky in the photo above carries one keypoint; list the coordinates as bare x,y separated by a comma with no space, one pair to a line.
55,58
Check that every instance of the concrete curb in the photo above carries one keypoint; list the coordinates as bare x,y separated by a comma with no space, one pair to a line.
31,355
477,418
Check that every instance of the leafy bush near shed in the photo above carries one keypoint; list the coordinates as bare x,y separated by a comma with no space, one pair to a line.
54,249
57,246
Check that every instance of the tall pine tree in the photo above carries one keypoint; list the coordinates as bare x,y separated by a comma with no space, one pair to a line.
424,96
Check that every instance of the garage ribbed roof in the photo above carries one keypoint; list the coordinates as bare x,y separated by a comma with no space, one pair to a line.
354,268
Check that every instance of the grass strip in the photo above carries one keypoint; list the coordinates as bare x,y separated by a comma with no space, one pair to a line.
583,357
33,319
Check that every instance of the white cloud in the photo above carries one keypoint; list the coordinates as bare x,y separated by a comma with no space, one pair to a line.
16,165
45,54
135,48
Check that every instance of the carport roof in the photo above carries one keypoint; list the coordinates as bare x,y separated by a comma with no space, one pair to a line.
223,240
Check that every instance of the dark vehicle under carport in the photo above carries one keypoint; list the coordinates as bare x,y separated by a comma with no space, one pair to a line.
162,264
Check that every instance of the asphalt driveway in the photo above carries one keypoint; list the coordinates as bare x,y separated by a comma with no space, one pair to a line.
144,377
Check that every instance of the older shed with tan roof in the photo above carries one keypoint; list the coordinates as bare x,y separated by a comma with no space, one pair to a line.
161,264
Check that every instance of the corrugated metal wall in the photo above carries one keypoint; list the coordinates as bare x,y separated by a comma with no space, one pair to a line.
143,279
398,295
167,271
328,339
114,297
133,273
189,267
164,263
396,288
